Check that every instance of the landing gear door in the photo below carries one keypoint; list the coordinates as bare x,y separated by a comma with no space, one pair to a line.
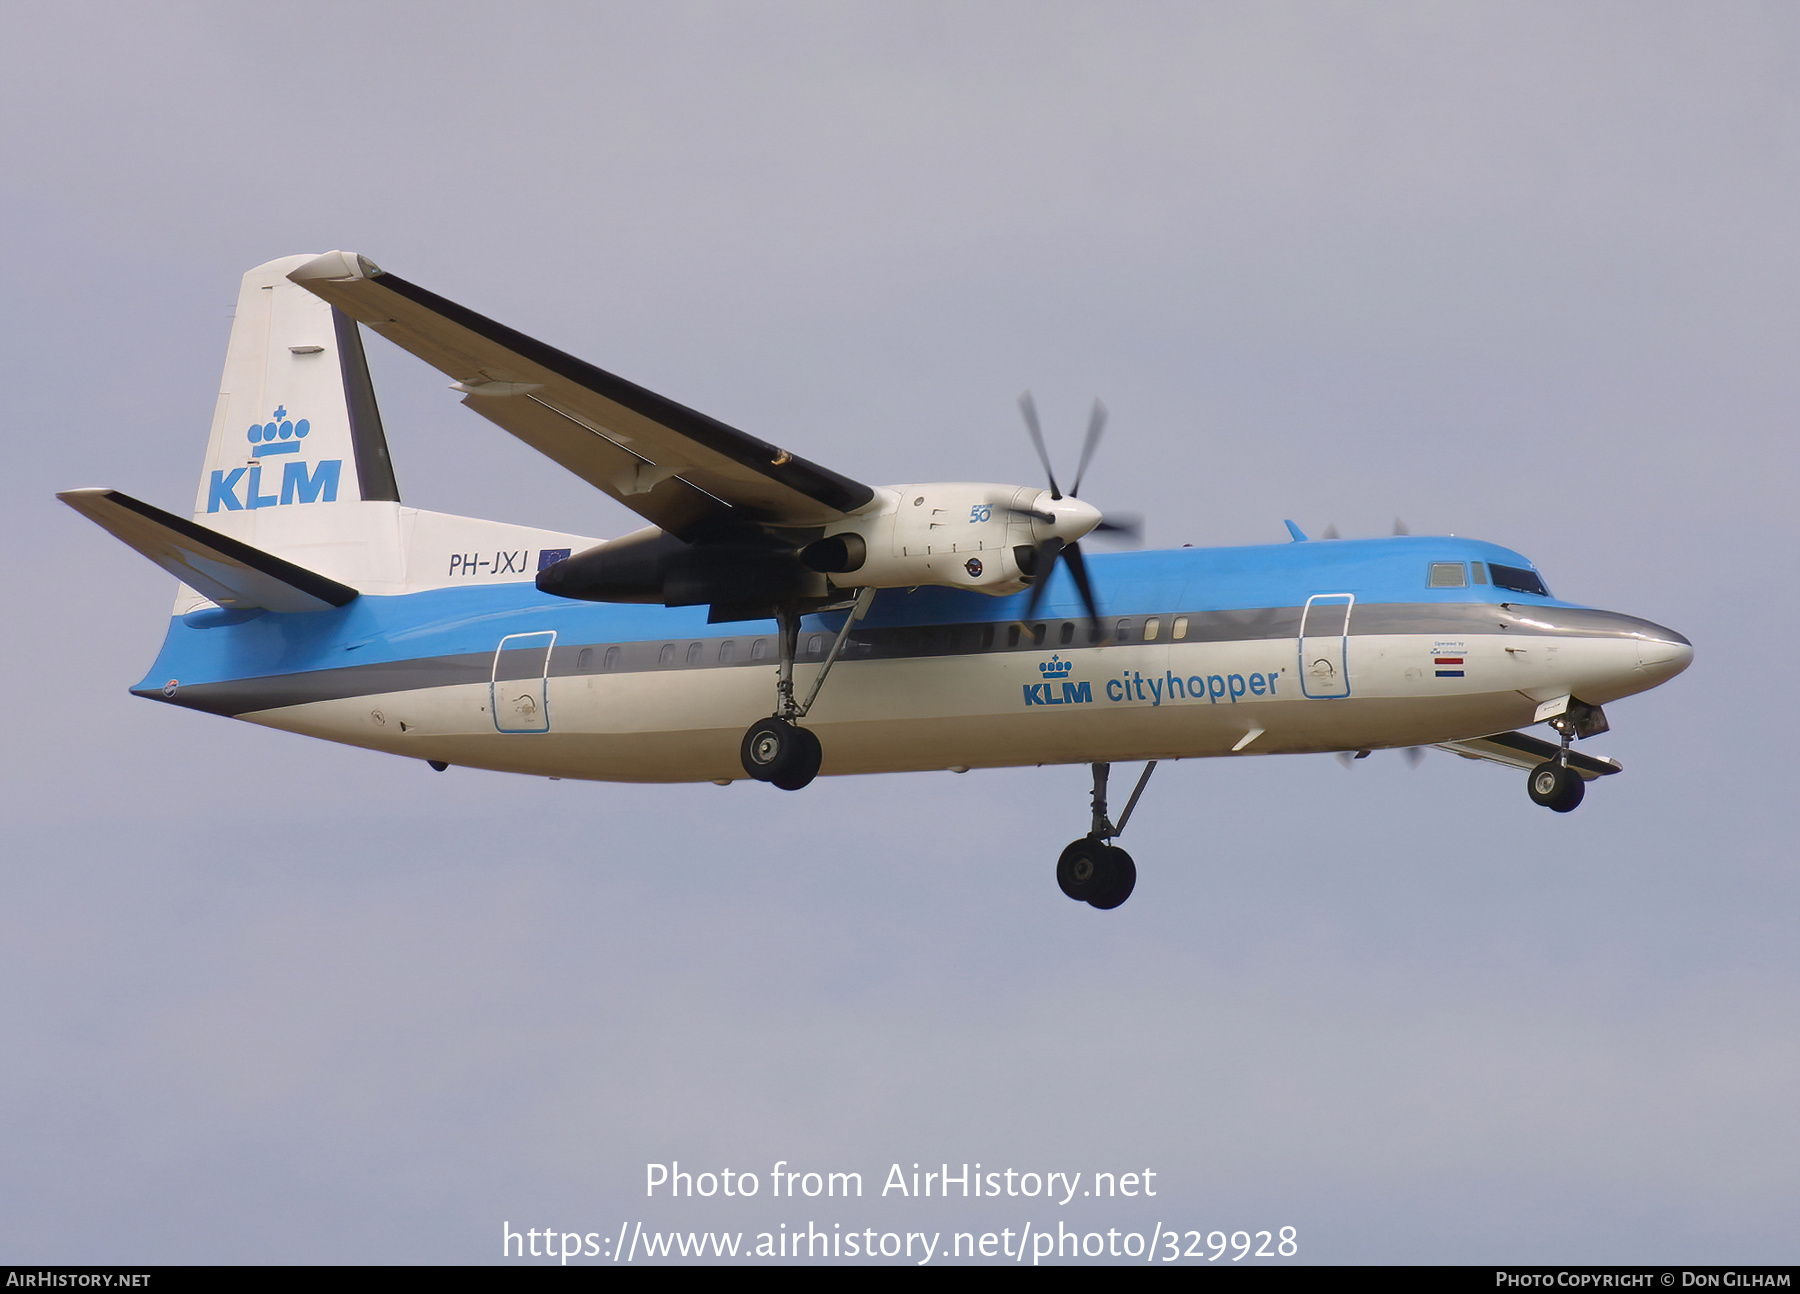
1324,645
519,693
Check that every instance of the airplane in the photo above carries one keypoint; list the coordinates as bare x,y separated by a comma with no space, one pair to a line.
776,620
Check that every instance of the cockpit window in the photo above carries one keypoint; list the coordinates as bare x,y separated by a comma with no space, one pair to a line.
1449,575
1519,579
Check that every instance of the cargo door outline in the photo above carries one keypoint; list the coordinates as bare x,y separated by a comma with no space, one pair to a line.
1324,644
518,688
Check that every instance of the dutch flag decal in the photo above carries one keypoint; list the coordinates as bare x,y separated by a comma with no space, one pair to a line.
1442,661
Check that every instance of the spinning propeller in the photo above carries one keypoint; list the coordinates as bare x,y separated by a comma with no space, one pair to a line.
1066,514
1414,756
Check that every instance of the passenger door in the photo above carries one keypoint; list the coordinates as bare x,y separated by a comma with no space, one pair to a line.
1324,645
518,693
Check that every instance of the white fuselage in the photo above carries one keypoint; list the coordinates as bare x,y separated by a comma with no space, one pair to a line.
1146,700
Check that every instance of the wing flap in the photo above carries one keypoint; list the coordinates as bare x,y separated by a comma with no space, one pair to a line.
1517,750
228,571
499,367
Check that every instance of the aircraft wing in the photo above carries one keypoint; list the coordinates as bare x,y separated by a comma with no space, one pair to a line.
228,571
1517,750
681,470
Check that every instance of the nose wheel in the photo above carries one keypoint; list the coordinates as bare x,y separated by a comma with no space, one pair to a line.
1556,786
1553,783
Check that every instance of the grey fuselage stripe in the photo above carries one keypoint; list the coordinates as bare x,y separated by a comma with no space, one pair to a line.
897,642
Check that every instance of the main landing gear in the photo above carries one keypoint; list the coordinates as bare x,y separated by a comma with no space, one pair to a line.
778,750
1092,870
781,753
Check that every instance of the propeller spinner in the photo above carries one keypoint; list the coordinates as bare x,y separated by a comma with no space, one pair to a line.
1059,523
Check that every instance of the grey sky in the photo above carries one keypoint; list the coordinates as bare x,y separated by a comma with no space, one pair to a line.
1526,272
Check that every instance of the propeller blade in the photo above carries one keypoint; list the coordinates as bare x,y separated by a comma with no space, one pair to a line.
1096,425
1401,528
1043,566
1128,526
1415,755
1331,532
1078,570
1028,407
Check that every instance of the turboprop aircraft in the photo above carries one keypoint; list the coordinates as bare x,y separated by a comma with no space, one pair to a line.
776,620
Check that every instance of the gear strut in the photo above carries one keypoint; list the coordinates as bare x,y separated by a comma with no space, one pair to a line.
1102,828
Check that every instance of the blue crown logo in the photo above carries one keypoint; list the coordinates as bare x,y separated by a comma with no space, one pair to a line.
1055,667
278,436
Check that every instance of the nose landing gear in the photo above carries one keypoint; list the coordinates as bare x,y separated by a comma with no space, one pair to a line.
1553,783
1092,870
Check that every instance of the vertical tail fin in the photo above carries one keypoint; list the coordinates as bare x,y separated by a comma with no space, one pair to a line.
298,463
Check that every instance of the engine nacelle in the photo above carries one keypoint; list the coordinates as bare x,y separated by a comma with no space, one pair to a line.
650,566
962,534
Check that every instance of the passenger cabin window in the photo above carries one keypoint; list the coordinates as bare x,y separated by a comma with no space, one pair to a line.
1037,635
987,637
1122,631
694,650
584,663
815,644
1178,630
727,652
667,655
1012,635
1449,575
1066,634
1152,627
1519,579
612,659
759,649
1480,569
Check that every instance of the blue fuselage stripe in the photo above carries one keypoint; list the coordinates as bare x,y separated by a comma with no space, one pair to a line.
453,622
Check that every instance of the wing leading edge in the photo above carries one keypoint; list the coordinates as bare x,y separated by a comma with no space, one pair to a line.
689,474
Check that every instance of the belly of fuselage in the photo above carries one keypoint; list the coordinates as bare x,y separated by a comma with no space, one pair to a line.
1063,705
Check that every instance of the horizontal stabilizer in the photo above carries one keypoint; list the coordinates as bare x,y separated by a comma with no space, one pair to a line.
231,573
1516,750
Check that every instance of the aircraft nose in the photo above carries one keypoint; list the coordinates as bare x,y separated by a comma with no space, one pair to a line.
1664,653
